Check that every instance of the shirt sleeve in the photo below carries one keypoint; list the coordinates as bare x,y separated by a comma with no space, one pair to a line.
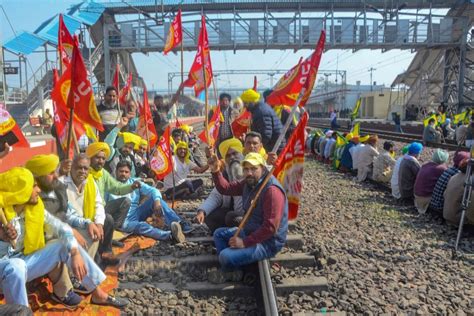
74,219
61,230
225,188
273,205
213,201
147,190
99,208
115,187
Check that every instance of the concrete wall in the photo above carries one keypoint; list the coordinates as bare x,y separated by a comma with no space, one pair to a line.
375,104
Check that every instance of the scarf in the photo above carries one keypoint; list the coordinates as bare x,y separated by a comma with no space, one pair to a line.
88,207
96,174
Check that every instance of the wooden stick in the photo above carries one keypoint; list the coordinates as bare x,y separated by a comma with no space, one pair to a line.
69,134
206,103
4,221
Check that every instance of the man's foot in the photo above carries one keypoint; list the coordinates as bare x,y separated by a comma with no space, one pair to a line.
108,258
71,301
186,227
112,301
78,287
219,276
177,232
116,243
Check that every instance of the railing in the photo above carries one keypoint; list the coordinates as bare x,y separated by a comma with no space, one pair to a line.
96,56
38,75
15,96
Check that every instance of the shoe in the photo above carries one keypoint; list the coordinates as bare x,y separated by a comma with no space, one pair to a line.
113,301
71,301
177,232
116,243
219,276
78,287
186,227
107,258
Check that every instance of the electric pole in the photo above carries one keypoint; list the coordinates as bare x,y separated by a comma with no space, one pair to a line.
371,82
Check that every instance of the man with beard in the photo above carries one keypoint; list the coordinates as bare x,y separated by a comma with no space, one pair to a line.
265,232
220,210
98,153
32,257
109,111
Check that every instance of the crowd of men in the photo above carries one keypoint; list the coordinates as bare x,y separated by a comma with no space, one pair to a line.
62,213
436,186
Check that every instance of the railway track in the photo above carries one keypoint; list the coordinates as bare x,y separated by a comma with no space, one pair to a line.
399,137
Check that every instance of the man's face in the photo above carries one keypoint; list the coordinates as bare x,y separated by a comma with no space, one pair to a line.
158,102
110,97
181,152
98,161
123,174
80,171
177,138
127,149
231,156
34,195
252,174
48,182
142,150
252,145
224,102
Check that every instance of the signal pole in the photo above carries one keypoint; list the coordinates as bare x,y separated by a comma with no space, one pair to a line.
371,82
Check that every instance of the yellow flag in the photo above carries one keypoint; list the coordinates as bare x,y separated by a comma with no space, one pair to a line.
355,112
426,120
356,129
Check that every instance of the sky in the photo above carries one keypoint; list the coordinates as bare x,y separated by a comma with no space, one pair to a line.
154,67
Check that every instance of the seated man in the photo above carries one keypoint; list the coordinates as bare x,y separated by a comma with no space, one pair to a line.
365,159
453,196
409,168
220,210
330,148
183,187
437,199
31,258
396,173
431,133
346,158
384,163
135,222
265,233
427,177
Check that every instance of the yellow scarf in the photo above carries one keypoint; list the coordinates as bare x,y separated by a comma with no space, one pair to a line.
88,207
96,174
34,225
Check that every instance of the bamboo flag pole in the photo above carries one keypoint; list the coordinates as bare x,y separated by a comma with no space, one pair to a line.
206,101
4,221
254,201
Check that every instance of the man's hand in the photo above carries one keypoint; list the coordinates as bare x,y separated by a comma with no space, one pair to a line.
79,238
207,152
93,231
123,122
236,242
8,233
157,207
213,163
272,158
200,216
5,151
100,227
77,263
136,185
65,167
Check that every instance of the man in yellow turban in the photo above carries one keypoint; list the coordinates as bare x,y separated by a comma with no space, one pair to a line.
264,120
141,158
31,258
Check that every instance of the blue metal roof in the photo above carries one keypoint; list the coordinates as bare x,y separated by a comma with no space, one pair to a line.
49,30
87,12
24,43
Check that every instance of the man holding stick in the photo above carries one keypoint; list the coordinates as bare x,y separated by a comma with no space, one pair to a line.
264,233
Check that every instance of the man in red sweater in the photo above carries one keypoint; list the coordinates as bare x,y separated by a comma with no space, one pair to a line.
264,234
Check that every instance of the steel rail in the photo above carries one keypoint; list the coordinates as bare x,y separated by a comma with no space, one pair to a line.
268,293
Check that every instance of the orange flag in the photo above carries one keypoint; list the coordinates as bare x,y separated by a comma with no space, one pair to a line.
146,128
303,75
81,96
202,59
10,132
214,125
124,93
161,161
241,124
175,34
116,79
289,167
65,44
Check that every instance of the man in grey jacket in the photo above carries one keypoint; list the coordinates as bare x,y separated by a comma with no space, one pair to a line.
222,210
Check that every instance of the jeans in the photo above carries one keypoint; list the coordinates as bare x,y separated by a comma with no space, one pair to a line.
233,258
16,271
183,190
135,220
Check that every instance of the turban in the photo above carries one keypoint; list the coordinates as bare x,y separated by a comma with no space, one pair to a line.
185,146
405,149
440,156
143,142
250,96
233,143
42,165
254,159
415,148
355,138
329,133
126,138
460,156
186,128
95,148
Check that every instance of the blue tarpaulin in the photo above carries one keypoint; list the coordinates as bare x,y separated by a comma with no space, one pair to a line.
24,43
49,29
87,12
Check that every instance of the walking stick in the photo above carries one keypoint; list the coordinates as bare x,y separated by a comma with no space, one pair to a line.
5,223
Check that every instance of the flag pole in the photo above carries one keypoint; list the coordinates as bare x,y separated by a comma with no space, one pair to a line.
254,201
69,133
206,102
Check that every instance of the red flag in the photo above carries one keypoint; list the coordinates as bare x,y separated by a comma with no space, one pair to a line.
303,75
241,124
289,167
81,96
178,123
146,128
116,79
10,132
124,93
65,44
202,59
214,125
175,34
162,161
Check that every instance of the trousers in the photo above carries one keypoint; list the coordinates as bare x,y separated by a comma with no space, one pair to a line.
222,217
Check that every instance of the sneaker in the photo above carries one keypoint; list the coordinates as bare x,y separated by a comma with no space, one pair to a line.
71,301
78,287
177,232
219,276
186,227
